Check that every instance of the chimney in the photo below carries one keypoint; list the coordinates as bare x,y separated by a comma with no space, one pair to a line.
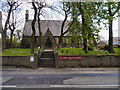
26,16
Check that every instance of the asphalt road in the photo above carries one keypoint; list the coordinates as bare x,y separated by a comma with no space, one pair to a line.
45,77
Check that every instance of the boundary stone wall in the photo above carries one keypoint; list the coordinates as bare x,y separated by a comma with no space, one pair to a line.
19,61
86,61
91,61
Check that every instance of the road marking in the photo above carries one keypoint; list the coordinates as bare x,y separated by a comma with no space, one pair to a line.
77,86
31,77
10,86
5,79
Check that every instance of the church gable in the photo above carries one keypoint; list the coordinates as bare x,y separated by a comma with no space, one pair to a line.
48,41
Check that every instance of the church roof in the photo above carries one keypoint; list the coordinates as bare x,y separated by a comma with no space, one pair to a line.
53,25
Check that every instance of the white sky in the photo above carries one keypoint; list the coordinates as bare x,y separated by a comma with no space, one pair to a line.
104,34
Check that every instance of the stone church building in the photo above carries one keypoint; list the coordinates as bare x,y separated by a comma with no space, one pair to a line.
52,27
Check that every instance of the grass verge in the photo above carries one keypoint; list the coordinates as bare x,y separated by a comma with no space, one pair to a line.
61,51
17,52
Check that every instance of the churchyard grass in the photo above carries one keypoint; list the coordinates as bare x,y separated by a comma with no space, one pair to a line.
17,52
79,51
61,51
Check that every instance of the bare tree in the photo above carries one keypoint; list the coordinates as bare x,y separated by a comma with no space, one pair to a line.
33,28
40,6
66,9
11,6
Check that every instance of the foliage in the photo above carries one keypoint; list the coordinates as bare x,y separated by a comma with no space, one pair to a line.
90,48
14,43
108,11
87,30
104,47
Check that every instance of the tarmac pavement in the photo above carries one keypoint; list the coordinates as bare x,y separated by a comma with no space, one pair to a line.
61,78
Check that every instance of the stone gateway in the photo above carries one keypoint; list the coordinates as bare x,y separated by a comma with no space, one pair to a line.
48,41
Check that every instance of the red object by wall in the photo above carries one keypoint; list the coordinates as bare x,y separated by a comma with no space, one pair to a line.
70,57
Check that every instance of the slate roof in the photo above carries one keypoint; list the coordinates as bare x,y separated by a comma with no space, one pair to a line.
53,25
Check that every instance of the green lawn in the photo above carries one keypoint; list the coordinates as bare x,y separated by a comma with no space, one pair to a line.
17,52
75,51
79,51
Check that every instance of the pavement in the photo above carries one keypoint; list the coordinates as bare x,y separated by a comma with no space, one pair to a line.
60,78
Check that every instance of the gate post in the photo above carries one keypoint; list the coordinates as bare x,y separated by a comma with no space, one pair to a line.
56,60
36,61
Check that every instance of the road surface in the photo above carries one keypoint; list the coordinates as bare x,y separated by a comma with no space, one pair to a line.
61,78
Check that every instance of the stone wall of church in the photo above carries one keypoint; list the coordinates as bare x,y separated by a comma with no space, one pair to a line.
26,42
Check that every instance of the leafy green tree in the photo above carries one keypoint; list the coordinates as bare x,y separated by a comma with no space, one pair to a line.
109,11
87,30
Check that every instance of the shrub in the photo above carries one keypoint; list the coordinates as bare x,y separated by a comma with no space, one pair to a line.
14,43
104,47
89,48
116,46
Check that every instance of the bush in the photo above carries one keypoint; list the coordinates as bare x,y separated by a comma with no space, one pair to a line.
89,48
116,46
104,47
14,43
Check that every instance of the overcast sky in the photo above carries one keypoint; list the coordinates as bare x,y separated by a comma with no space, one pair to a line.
49,14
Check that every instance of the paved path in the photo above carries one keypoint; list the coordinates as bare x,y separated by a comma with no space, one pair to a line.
59,71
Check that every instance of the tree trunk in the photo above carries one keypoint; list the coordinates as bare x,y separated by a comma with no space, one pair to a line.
83,33
5,29
40,34
60,42
62,27
111,50
3,40
11,36
33,29
85,45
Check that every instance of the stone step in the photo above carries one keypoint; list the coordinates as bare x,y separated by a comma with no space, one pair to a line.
48,50
47,54
47,58
47,65
47,62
